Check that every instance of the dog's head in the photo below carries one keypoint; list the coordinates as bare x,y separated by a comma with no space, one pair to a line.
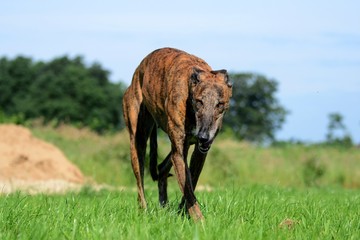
210,95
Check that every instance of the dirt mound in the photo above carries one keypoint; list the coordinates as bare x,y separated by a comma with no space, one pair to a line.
26,161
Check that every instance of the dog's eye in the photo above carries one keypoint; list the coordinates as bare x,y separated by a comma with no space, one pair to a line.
199,104
220,106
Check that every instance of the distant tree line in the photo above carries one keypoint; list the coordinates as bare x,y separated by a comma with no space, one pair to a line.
66,90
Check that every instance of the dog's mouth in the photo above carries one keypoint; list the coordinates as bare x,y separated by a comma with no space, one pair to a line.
204,147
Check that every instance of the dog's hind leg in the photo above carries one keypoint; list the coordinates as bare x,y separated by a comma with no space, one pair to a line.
164,169
161,172
144,127
131,115
139,129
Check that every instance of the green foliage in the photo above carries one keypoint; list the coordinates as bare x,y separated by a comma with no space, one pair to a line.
312,172
64,90
255,113
16,119
337,132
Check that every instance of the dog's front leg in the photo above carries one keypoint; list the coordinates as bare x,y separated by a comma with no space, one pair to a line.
184,179
183,175
196,165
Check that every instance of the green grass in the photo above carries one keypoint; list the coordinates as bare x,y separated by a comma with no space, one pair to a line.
249,212
106,159
292,192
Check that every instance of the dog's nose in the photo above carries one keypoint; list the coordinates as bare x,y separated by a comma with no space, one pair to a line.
203,137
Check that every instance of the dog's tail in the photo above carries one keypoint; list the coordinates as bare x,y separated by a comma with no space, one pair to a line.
153,154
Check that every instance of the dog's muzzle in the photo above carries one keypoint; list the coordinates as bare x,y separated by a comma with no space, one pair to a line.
204,143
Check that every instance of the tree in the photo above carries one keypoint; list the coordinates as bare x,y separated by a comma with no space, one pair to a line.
15,77
337,132
64,90
255,114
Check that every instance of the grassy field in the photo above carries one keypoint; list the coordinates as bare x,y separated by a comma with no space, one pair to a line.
292,192
106,159
250,212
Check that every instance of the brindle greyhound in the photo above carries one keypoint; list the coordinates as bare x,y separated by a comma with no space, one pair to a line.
182,95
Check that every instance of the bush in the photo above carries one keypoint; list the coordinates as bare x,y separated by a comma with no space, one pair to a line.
63,90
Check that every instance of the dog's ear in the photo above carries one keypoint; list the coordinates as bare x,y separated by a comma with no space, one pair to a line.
225,75
195,76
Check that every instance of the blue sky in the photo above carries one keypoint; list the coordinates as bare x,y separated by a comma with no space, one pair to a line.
312,48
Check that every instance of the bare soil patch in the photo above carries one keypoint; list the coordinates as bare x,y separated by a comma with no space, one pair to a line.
33,165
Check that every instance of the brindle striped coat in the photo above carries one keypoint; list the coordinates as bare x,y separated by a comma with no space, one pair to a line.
183,96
